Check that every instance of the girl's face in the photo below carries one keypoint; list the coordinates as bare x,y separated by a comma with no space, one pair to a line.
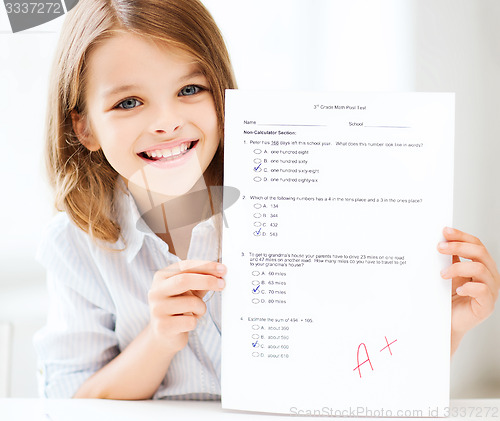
151,111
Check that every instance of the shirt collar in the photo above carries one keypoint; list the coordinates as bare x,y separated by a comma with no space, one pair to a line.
130,220
134,229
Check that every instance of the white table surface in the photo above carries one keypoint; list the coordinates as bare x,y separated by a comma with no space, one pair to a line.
107,410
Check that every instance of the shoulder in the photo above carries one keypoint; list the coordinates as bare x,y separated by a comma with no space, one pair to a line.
59,225
63,241
76,266
58,230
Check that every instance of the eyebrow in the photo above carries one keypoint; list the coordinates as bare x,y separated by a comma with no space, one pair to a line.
119,89
122,88
194,73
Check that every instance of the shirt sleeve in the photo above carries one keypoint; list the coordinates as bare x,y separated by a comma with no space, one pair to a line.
79,336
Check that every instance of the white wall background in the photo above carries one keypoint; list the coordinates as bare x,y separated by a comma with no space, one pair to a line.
333,45
457,49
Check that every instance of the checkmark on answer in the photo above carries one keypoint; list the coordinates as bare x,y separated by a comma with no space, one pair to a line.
254,344
257,232
255,289
257,167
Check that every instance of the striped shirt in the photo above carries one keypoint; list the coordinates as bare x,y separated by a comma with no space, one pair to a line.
99,304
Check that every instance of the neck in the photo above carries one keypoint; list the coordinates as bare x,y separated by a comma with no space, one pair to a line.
173,218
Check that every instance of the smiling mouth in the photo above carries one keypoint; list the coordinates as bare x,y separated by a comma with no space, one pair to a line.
168,154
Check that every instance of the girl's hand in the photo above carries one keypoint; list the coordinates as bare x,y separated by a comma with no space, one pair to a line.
475,283
176,299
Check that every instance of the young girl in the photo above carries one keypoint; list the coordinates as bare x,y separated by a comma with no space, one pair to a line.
135,136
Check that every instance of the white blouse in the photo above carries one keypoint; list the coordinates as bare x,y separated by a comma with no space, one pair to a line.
98,305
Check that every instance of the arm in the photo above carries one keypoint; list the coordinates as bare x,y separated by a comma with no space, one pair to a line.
475,283
175,302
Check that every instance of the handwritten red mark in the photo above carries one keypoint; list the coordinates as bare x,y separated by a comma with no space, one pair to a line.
367,359
388,345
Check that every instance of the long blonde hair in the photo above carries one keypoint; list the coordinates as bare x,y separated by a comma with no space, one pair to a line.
83,180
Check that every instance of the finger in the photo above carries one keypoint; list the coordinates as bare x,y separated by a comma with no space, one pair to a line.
482,295
183,304
200,293
475,270
457,282
179,324
193,266
196,292
470,251
472,270
184,282
452,234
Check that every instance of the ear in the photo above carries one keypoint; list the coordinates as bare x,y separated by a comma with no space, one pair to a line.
82,131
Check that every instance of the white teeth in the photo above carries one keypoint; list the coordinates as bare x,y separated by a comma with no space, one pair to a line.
167,153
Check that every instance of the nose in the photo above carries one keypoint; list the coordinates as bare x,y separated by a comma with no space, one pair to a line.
167,120
163,131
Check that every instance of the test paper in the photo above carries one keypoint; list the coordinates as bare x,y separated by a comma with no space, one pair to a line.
334,304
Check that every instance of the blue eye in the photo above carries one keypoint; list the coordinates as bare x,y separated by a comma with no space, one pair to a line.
190,90
129,103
